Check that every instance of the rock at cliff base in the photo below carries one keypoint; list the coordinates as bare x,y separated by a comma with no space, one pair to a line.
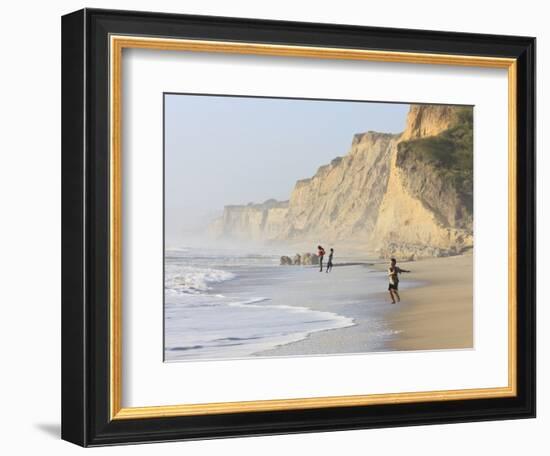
305,259
286,260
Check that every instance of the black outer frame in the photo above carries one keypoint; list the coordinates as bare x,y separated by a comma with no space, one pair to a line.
85,227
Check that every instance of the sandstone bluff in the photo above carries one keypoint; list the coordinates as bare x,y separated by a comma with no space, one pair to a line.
408,195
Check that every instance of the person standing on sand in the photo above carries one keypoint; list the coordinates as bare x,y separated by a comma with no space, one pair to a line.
320,254
393,287
329,264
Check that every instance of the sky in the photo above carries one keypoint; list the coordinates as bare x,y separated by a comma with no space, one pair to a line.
222,150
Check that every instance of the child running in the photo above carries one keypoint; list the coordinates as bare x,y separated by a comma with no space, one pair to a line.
393,276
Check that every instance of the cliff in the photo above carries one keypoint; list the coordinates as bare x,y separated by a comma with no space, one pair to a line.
408,195
255,222
428,207
341,201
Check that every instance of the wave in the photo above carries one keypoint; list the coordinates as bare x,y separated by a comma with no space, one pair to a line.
335,320
225,328
193,280
207,321
253,302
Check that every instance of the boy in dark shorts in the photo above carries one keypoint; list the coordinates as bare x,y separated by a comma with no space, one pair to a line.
329,264
393,286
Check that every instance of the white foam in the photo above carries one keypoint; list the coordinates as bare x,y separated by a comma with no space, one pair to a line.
206,318
193,280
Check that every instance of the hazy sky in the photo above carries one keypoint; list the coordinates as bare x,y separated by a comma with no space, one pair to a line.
234,150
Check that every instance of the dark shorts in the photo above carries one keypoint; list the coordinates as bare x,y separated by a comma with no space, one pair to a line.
391,286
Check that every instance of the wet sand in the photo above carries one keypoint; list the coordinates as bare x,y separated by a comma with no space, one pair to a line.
435,312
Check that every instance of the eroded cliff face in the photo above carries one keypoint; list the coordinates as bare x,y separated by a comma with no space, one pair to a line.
426,210
428,120
341,201
253,222
387,194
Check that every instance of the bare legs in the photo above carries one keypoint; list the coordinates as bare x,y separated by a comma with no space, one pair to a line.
394,296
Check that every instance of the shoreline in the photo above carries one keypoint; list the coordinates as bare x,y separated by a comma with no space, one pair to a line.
435,313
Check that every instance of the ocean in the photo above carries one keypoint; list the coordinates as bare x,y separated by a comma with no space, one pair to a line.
223,303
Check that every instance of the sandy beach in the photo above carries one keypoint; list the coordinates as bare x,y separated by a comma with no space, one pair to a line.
440,312
227,305
435,312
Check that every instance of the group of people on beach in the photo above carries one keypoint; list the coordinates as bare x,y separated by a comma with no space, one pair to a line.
393,272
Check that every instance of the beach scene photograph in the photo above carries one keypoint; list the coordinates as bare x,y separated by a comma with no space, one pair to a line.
308,227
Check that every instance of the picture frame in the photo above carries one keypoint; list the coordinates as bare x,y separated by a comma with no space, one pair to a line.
92,367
